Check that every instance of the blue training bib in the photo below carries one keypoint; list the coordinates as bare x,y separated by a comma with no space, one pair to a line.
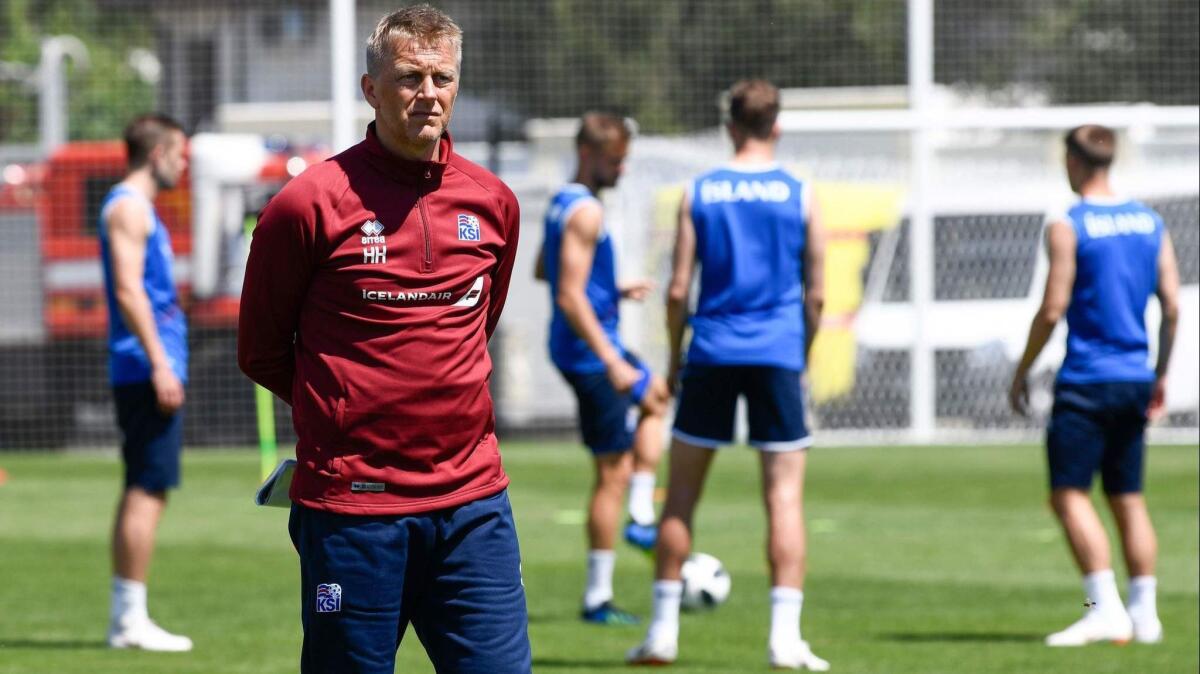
567,350
1116,271
127,360
750,236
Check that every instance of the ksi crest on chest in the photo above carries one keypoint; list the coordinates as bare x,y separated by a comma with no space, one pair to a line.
468,227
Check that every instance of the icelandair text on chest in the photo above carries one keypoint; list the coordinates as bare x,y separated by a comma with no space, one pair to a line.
402,296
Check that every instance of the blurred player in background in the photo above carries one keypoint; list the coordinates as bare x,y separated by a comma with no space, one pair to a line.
1107,256
147,357
373,284
611,384
755,231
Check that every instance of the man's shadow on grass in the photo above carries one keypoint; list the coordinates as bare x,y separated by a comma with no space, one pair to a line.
51,644
963,637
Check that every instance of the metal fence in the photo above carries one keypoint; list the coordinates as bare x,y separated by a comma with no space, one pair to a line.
930,129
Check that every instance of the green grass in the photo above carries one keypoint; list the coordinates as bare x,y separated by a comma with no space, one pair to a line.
921,560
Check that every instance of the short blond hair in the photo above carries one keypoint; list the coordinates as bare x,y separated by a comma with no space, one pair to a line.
425,25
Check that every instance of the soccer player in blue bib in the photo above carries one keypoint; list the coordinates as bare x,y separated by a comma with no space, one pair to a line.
1107,256
147,358
621,403
754,230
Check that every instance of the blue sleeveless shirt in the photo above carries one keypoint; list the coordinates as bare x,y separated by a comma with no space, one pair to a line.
567,350
127,360
1116,271
750,236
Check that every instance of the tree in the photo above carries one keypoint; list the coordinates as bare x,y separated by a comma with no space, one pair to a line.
666,62
102,98
1072,51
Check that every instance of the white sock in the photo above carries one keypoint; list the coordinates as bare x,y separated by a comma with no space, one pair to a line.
641,498
1101,587
128,599
600,565
1143,591
664,624
786,603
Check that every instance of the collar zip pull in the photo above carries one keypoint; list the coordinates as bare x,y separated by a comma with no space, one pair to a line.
428,174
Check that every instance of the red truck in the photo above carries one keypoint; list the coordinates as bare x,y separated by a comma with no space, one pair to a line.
52,343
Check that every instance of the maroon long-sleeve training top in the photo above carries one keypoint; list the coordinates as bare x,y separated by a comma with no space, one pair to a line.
372,287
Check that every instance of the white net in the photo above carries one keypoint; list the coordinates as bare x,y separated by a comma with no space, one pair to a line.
255,77
991,191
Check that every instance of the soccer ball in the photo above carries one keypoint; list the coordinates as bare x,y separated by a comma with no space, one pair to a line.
705,582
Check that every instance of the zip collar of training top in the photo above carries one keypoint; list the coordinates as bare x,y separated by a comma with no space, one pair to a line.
408,171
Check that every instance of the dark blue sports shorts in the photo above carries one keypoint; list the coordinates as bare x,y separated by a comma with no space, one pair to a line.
708,402
455,574
607,419
1098,427
152,442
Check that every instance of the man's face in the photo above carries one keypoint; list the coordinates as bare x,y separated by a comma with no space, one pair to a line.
607,162
168,161
413,95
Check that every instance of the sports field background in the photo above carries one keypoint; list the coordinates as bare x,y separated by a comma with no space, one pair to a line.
936,559
957,253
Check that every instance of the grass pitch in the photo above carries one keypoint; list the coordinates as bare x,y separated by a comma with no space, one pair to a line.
920,560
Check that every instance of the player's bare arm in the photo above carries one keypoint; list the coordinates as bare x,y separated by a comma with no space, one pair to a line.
579,238
129,227
814,275
683,266
1060,244
1168,300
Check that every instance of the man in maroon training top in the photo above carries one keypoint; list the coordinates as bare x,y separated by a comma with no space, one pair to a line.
374,282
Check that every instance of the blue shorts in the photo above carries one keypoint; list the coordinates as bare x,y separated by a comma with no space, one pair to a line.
607,419
708,403
455,574
1098,427
152,442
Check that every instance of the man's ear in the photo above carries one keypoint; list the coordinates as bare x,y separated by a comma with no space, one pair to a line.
368,90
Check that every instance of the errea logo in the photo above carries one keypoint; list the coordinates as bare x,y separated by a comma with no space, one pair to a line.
371,230
373,253
468,227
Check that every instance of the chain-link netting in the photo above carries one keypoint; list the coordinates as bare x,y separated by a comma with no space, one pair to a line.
991,194
253,80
